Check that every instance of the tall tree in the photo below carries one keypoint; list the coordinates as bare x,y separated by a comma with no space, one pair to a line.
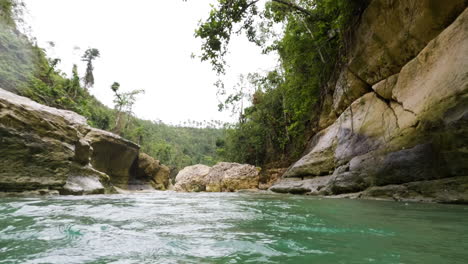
123,105
89,56
75,82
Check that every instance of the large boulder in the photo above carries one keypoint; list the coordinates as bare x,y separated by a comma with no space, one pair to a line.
385,87
226,176
429,83
348,88
223,177
160,181
192,178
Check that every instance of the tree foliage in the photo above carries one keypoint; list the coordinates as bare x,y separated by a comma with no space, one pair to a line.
285,103
123,102
89,56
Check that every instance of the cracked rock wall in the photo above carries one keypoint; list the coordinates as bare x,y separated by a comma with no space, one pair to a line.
402,114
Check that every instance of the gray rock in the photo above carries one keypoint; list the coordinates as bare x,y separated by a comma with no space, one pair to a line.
348,182
348,88
448,190
313,186
419,163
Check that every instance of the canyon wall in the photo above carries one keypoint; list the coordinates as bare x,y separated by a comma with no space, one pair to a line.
396,124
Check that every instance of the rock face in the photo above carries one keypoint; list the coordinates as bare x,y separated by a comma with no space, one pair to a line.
52,150
151,171
37,144
394,32
223,177
408,133
112,155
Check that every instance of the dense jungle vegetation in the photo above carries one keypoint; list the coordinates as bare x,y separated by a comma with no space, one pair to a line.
286,102
25,69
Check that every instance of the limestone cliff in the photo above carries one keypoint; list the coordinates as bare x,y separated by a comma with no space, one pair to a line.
54,151
396,124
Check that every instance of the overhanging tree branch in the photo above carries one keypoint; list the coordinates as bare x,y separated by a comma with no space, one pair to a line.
294,6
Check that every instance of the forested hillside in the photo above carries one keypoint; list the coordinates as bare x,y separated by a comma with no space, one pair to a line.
26,69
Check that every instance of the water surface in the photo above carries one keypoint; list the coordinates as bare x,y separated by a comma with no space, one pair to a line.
166,227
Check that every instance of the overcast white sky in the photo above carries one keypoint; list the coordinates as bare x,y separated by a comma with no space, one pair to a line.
144,44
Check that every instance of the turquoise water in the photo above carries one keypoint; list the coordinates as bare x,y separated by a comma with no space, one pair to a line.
165,227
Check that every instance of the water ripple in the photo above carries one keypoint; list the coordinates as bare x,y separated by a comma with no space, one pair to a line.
165,227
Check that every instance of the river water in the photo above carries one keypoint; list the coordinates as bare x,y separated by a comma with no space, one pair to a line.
167,227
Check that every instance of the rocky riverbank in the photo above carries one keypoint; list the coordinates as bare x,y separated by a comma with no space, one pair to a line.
396,124
393,126
45,150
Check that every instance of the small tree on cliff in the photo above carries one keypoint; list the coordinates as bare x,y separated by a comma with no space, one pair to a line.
123,105
89,56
